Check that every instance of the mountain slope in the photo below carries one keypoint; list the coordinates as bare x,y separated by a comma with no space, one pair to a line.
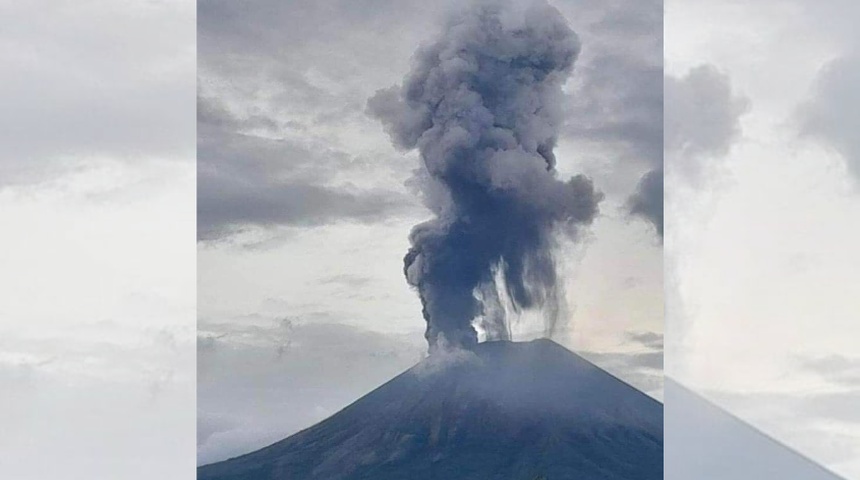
707,443
503,411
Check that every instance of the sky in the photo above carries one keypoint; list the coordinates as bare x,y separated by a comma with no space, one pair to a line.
304,207
763,194
97,176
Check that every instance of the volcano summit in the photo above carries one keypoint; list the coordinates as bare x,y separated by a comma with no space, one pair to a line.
503,410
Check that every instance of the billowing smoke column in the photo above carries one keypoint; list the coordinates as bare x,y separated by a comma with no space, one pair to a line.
483,105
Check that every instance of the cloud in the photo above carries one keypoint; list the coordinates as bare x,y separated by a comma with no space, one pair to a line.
97,402
248,179
702,120
830,115
647,201
642,370
702,117
283,138
837,369
349,281
647,339
83,90
617,94
616,97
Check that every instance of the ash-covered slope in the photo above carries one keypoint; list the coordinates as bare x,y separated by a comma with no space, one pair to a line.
503,411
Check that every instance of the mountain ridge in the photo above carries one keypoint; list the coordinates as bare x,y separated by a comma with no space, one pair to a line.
502,410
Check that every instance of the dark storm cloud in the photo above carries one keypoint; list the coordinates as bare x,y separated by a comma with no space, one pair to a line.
74,93
831,114
247,180
227,206
481,105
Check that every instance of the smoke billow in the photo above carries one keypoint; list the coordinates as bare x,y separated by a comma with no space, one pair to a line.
483,105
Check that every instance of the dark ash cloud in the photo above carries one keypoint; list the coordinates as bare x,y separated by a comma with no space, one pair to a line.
481,105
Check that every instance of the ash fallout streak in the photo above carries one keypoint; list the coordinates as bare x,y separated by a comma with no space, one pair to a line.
483,106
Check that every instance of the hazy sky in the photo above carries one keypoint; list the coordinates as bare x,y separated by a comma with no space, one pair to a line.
97,251
305,207
763,194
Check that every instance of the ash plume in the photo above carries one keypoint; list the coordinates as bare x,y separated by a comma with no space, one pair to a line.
483,106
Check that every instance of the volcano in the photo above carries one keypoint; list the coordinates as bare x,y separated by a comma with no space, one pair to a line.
499,411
